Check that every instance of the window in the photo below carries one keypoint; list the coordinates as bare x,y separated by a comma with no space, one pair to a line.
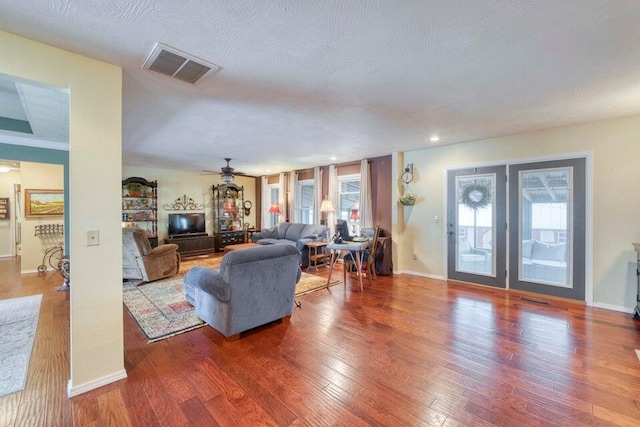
305,201
274,191
349,199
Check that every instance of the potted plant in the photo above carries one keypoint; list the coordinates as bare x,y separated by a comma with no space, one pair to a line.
408,199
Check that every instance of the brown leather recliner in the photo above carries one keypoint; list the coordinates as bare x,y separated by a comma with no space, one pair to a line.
141,262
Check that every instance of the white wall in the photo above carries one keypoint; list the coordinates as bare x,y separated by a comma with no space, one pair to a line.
173,184
7,180
615,145
38,176
95,139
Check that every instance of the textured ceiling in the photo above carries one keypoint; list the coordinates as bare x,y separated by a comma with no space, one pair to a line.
302,81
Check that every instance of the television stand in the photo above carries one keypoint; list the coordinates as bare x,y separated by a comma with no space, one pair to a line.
193,245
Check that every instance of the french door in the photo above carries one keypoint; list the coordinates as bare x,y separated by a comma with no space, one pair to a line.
544,248
547,217
477,225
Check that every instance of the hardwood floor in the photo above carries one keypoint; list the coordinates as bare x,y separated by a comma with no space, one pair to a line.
407,351
44,400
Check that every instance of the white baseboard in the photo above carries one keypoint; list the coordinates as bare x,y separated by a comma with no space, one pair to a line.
613,307
28,271
416,273
75,391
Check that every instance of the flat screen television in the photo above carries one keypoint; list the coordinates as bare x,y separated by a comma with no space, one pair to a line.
186,224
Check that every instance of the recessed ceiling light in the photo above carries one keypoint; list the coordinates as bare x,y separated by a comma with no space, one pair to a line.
334,158
434,138
268,170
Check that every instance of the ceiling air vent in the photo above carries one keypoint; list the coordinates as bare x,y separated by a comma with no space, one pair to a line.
174,63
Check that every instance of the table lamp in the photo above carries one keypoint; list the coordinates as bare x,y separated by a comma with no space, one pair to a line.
275,209
354,217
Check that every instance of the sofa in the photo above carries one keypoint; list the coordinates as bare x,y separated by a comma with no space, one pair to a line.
291,234
252,287
544,261
144,264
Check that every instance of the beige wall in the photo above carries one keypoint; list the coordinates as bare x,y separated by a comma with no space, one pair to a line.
38,176
615,145
95,176
7,180
173,184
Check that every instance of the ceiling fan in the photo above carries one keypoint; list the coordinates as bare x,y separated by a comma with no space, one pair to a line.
227,172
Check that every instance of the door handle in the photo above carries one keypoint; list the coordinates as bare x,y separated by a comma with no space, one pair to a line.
451,231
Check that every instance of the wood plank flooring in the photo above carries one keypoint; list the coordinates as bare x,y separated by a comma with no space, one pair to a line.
407,351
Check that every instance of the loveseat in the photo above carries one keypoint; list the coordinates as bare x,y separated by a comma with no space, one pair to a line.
252,287
544,261
142,263
291,234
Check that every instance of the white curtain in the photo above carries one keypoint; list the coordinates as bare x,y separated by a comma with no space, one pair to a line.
282,198
293,197
317,194
333,197
366,212
265,202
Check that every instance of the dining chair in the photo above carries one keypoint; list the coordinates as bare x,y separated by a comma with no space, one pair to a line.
368,259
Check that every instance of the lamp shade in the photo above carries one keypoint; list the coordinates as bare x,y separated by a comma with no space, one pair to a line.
274,209
354,214
327,206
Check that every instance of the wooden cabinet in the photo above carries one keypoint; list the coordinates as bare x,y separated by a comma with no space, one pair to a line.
140,206
228,215
190,246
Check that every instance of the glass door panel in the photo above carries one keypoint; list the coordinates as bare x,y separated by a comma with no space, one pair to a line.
476,224
547,213
546,210
476,220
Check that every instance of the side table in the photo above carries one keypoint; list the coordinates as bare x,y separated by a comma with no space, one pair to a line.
317,254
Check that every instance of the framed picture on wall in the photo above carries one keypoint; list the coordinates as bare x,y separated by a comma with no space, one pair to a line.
43,203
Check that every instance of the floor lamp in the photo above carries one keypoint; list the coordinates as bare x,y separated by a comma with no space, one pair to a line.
326,207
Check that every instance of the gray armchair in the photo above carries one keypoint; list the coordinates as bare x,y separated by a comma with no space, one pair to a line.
141,262
252,287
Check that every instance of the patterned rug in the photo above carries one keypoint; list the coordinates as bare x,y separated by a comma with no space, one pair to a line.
161,310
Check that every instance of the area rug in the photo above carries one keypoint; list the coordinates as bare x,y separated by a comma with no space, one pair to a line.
160,308
18,325
310,283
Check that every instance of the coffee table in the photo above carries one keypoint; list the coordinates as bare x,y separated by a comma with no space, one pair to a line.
229,248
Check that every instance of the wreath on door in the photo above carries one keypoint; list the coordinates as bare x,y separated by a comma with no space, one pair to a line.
476,196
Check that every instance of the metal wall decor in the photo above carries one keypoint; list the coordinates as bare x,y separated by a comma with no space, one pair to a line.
408,199
407,175
183,203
